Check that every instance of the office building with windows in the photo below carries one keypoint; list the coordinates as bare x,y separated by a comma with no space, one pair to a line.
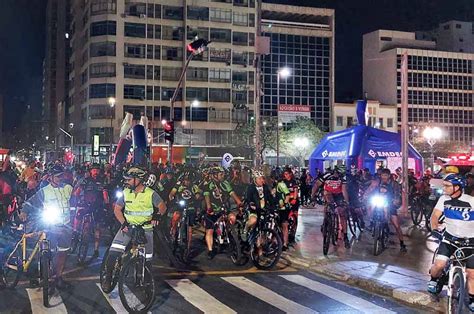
381,116
302,39
134,51
455,36
440,83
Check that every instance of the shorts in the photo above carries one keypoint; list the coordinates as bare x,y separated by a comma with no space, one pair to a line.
191,216
122,239
60,238
283,214
210,220
446,250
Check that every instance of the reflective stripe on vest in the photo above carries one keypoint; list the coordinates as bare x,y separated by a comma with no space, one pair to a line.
58,197
138,207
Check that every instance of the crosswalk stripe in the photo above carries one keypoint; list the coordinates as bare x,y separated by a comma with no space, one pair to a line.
114,300
267,295
36,300
198,297
343,297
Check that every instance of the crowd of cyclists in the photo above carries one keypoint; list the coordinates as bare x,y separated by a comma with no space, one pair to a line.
167,195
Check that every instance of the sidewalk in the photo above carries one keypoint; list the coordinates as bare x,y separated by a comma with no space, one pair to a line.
402,276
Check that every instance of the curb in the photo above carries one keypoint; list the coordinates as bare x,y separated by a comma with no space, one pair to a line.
407,296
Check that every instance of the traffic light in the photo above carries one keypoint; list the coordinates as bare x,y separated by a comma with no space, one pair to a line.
169,131
198,45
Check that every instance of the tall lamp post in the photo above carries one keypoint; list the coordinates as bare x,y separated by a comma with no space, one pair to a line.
111,102
432,134
282,73
195,103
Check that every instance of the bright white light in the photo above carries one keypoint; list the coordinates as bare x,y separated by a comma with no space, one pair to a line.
264,122
195,103
111,102
284,72
378,201
12,158
66,35
51,214
163,121
119,194
280,124
301,142
434,133
377,125
182,202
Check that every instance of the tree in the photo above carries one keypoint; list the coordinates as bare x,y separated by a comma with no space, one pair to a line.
300,139
244,135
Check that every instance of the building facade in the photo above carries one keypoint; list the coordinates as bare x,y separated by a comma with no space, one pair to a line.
135,51
455,36
301,39
381,116
440,83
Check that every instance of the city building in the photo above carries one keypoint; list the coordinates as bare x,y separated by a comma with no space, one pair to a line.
2,141
135,51
455,36
302,40
55,68
440,83
382,116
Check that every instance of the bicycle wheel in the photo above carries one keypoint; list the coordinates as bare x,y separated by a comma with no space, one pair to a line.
335,233
416,214
104,270
427,213
45,270
235,247
458,293
377,238
327,233
84,242
266,249
353,222
136,286
13,267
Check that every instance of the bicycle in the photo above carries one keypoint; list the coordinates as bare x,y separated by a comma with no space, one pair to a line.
330,227
227,237
380,231
85,235
180,237
19,261
131,273
354,219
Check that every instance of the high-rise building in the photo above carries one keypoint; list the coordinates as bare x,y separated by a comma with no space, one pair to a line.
2,142
135,51
301,39
55,67
455,36
440,83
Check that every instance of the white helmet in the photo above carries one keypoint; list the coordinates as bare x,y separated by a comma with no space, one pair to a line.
257,174
151,180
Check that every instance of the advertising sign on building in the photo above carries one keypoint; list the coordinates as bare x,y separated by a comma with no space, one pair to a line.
289,113
96,146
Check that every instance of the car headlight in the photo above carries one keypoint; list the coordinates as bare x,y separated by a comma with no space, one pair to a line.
119,194
182,203
378,201
51,214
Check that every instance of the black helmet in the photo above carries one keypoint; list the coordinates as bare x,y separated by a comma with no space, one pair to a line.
56,170
135,172
94,166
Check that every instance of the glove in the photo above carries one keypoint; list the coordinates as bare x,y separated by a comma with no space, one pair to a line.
156,216
209,211
437,234
124,225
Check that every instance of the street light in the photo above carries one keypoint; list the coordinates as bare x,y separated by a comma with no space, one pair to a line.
195,103
111,102
432,134
301,142
282,73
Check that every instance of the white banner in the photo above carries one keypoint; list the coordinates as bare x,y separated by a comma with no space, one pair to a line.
395,162
226,160
289,113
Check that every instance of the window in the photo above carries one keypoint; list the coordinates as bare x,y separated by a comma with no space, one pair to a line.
198,32
101,49
193,93
219,95
385,38
172,33
197,74
220,15
220,55
134,50
239,58
153,31
170,74
135,9
350,121
389,122
446,26
251,19
157,52
103,28
220,35
101,112
136,111
239,38
103,7
239,97
134,92
172,53
135,30
102,70
219,75
240,19
198,13
101,90
172,13
136,71
241,3
458,26
104,134
339,120
239,77
167,93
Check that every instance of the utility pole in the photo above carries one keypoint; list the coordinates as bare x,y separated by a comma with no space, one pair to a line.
404,130
258,87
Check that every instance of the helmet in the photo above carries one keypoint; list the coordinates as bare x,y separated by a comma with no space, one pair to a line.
257,174
455,179
169,170
469,175
216,170
56,170
135,172
150,181
94,166
451,169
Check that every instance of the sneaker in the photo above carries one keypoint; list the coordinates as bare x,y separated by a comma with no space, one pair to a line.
210,254
434,287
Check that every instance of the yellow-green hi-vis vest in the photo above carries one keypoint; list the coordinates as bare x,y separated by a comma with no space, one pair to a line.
138,207
59,197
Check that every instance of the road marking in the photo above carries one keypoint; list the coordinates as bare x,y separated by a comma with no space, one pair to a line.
114,300
336,294
267,295
81,268
36,300
198,297
252,270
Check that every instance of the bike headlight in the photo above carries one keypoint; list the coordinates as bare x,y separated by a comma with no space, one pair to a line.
118,194
51,214
439,191
378,201
182,203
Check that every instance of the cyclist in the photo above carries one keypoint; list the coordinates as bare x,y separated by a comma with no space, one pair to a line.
185,190
458,209
335,192
292,185
282,194
217,194
92,197
166,183
393,201
53,199
138,205
469,190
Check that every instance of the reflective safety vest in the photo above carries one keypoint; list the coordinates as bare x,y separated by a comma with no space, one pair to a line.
138,207
58,197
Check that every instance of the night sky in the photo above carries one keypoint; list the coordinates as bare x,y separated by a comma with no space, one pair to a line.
22,27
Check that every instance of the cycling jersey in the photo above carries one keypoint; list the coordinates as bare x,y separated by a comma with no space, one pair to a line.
219,194
459,215
92,193
280,190
333,183
187,194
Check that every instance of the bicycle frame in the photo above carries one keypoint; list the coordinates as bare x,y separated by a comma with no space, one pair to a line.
456,263
26,261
